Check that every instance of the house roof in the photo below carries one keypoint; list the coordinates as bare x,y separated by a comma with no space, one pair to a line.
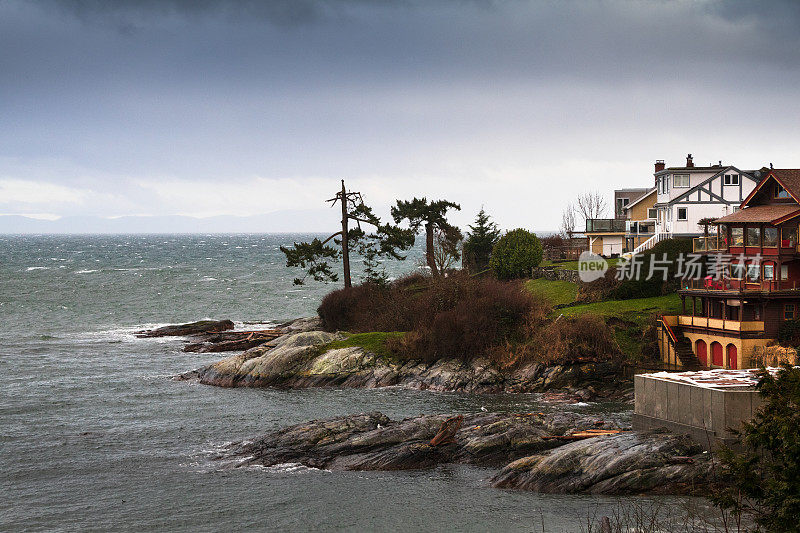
647,193
761,213
789,178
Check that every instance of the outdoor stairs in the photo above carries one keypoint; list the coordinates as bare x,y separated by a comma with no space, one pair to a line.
683,349
649,243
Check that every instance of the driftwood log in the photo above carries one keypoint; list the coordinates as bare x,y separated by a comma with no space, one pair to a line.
448,431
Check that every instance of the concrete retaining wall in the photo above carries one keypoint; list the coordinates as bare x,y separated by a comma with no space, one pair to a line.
707,415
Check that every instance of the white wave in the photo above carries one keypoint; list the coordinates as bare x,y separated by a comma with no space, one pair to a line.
87,271
37,268
284,468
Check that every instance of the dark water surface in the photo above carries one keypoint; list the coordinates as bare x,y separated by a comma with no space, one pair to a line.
96,436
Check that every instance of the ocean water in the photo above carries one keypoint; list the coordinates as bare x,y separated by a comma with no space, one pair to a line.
96,436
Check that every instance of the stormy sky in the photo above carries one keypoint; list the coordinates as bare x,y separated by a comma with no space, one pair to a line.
205,108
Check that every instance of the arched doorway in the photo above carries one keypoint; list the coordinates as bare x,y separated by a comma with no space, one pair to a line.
732,353
716,354
700,350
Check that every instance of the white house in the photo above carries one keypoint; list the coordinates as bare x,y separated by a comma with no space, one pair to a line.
689,194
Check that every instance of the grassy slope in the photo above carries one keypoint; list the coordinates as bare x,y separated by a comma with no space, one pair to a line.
637,312
556,292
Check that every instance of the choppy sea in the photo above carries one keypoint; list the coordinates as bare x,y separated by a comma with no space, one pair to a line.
96,436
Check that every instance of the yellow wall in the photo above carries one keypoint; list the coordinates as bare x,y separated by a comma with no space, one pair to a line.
744,347
639,211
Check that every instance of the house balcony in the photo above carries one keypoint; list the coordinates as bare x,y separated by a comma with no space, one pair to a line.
748,326
736,286
636,228
605,225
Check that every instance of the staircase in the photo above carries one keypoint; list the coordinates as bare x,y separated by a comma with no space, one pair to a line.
683,348
649,243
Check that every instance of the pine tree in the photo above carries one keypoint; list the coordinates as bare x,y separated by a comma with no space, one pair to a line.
479,243
430,215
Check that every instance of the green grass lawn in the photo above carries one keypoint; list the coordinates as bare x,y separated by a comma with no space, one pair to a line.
628,309
374,342
556,292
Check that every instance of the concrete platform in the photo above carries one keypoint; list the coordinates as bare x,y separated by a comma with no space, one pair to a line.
706,405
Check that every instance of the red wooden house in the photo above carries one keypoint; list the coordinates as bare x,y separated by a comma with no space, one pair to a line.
755,285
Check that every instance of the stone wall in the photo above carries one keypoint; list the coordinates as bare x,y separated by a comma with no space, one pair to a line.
555,274
773,356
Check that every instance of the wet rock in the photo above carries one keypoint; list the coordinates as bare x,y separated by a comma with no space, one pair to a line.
626,463
193,328
374,442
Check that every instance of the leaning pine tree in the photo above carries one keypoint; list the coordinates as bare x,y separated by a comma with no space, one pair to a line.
386,240
432,216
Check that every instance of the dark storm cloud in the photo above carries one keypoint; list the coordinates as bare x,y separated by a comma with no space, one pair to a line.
110,98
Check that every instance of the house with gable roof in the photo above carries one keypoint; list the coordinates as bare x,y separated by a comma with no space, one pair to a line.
688,194
725,319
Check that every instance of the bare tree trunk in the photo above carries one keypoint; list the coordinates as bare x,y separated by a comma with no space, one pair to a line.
345,248
429,257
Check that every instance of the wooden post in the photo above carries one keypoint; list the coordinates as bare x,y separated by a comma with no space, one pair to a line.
345,247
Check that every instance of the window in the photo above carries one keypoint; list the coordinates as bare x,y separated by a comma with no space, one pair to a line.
771,237
753,272
753,237
737,236
784,272
682,213
788,312
769,271
731,179
789,237
621,204
736,208
780,192
737,271
680,180
651,213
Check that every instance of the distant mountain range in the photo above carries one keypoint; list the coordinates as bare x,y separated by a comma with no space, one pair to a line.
295,221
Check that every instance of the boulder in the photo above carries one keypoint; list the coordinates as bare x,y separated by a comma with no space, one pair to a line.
626,463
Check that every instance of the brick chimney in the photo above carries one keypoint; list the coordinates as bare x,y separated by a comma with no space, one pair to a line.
689,162
659,165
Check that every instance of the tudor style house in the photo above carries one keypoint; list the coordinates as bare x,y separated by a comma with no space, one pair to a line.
741,306
688,194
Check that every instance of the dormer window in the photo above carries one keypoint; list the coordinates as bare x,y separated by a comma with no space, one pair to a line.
680,180
780,192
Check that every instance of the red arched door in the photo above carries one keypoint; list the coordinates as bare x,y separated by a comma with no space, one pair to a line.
716,354
701,351
732,362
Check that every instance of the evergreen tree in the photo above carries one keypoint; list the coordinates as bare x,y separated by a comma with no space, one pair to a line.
763,482
480,242
432,215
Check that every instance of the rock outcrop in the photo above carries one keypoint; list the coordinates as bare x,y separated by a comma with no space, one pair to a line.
193,328
627,463
374,442
303,359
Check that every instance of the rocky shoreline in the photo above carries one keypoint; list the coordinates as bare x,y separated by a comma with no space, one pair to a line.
554,452
301,357
534,451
